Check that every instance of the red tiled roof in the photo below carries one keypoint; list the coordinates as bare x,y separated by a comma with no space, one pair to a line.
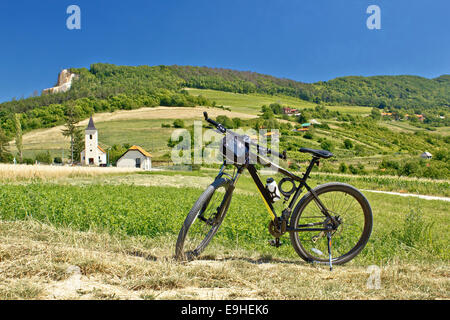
145,153
101,149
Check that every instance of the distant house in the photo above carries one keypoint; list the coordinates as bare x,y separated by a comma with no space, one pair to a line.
271,133
291,111
426,155
135,157
420,117
314,121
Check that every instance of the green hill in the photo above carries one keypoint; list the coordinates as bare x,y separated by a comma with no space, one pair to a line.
107,87
352,127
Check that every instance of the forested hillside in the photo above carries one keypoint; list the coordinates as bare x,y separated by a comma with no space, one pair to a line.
106,87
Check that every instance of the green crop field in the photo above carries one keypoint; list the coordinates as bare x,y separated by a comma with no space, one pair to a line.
251,103
404,228
121,229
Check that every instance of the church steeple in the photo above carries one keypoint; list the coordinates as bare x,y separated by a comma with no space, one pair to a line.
91,152
91,125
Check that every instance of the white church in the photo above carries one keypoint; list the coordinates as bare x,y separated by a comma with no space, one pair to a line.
93,154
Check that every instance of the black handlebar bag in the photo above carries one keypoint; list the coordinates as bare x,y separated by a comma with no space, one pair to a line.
235,149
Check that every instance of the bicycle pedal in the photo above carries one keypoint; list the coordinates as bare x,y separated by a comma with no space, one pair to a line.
275,242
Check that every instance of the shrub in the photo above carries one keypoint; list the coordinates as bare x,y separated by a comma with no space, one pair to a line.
343,167
348,144
327,145
28,161
44,157
178,123
353,169
294,166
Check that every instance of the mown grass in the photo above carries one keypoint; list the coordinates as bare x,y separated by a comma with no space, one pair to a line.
404,229
35,260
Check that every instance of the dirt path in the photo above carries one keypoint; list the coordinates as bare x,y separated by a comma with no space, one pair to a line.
420,196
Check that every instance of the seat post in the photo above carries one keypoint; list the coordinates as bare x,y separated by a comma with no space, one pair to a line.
310,167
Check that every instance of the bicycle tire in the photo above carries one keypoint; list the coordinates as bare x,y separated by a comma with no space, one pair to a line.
194,213
308,199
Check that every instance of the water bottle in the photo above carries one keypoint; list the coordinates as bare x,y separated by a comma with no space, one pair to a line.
272,187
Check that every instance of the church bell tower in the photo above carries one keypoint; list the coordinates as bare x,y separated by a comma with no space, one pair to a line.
91,144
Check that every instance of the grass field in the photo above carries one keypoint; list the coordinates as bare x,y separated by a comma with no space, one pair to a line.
159,211
39,261
251,103
119,229
141,127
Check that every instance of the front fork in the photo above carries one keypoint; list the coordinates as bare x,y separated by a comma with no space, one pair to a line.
228,194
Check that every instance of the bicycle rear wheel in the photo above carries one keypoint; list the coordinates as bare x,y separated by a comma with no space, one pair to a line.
203,220
347,205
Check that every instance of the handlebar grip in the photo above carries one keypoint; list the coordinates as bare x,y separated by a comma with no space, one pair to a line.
220,127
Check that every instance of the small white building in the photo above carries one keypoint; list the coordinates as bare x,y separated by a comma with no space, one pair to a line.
93,154
135,157
426,155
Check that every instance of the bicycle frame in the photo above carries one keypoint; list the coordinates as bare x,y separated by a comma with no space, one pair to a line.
266,196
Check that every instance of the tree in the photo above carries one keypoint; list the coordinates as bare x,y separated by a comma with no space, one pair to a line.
5,156
225,121
276,108
375,114
237,122
348,144
18,129
72,118
302,118
116,152
78,143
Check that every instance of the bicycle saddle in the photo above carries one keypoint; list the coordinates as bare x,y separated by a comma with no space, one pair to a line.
317,153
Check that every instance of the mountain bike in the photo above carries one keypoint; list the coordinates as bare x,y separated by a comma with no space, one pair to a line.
329,225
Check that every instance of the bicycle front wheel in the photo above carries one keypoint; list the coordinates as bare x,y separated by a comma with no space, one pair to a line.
345,204
203,221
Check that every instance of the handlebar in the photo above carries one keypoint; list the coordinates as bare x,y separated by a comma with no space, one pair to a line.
260,149
219,126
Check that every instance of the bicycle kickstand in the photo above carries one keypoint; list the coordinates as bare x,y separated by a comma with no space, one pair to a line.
329,250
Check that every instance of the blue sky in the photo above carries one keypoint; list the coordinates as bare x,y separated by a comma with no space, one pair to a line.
302,40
